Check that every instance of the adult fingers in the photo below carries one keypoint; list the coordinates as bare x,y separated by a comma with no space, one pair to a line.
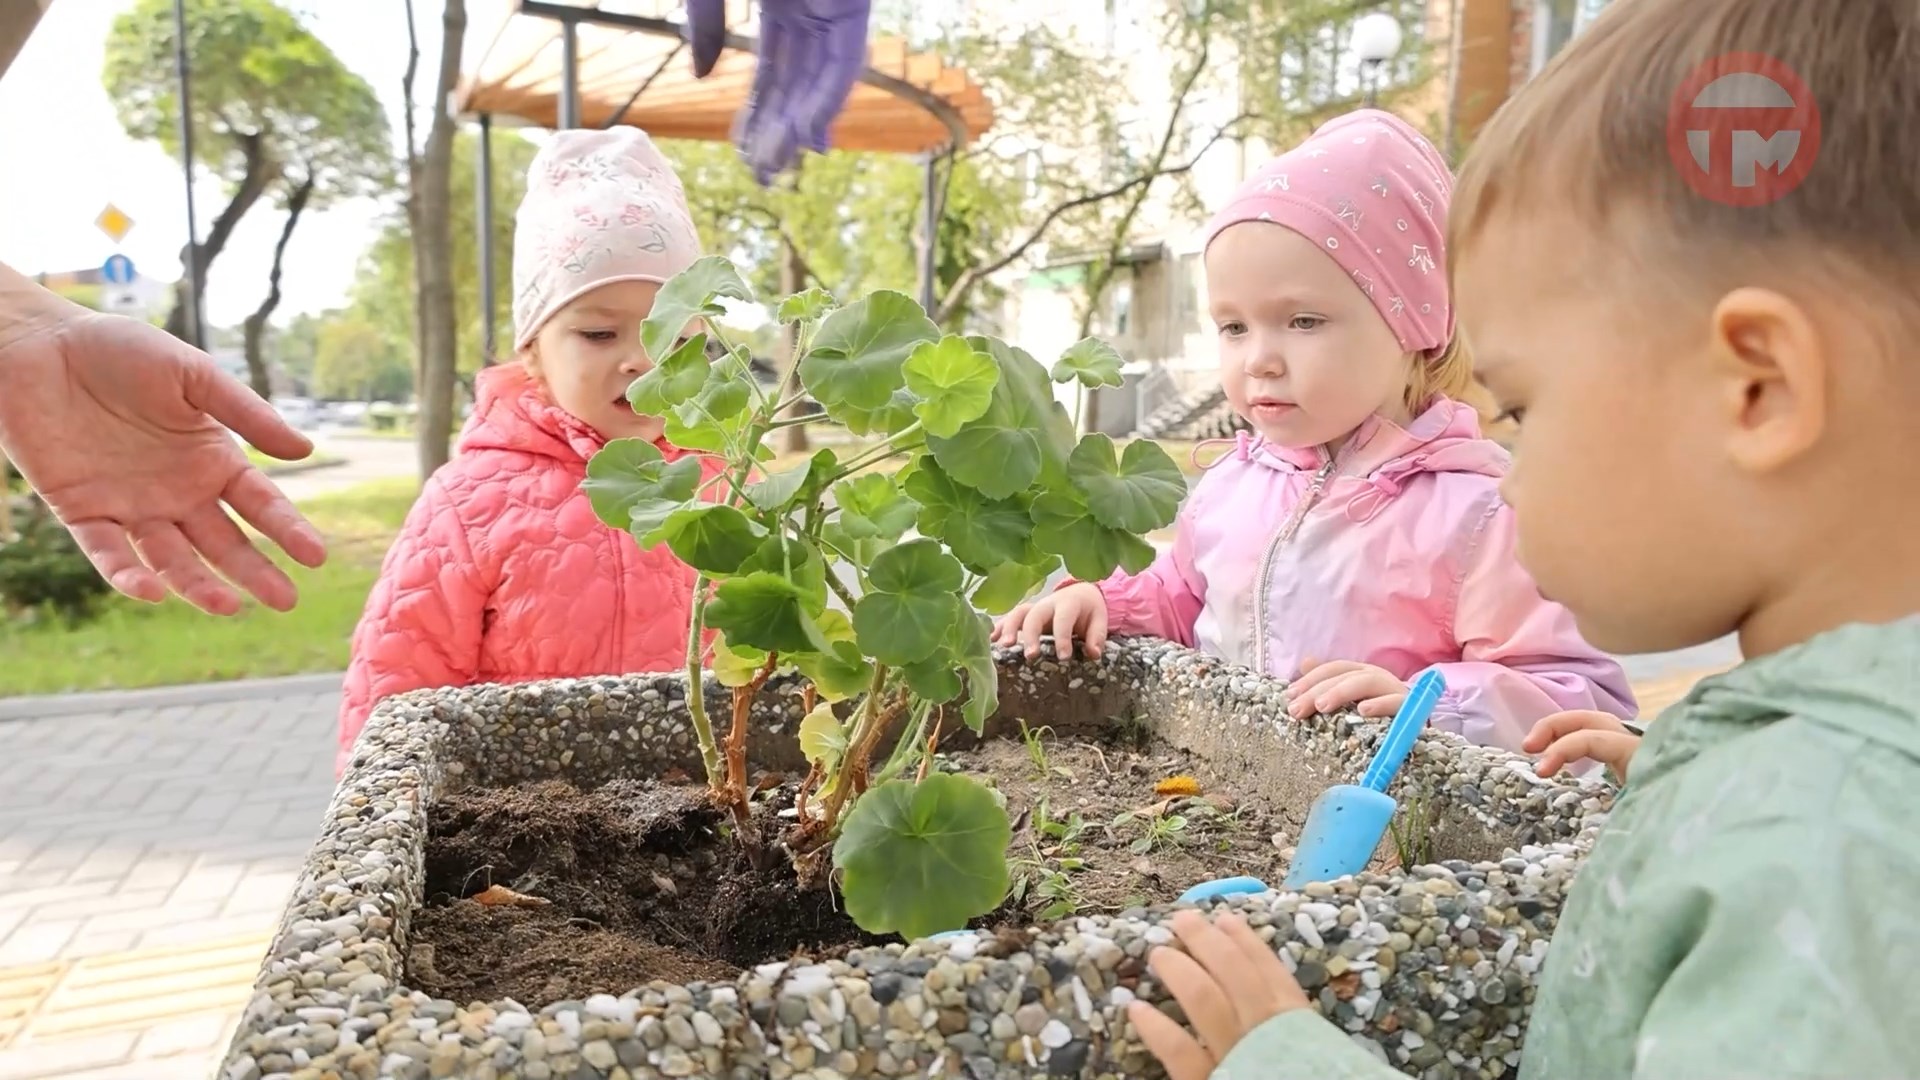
256,499
166,549
110,550
1180,1053
234,404
1207,1006
220,542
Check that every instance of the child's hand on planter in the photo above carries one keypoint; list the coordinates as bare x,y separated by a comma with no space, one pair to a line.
1077,610
1228,982
1567,737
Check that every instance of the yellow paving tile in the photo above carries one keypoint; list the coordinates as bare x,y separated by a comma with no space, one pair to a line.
22,989
132,990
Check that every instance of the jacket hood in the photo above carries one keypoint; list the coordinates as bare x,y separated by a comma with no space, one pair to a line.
1445,438
1859,680
510,412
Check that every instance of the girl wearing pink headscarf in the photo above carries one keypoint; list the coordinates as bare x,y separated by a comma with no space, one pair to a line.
502,572
1357,537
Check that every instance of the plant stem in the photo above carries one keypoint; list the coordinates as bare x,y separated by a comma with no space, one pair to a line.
879,453
906,751
697,686
791,421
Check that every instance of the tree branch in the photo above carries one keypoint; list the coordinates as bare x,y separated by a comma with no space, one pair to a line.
973,275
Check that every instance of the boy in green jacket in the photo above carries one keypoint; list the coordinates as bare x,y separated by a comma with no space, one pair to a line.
1709,318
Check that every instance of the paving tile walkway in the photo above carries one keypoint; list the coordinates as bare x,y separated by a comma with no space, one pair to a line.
148,842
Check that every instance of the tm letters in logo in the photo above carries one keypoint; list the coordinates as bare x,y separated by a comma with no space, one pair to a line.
1743,129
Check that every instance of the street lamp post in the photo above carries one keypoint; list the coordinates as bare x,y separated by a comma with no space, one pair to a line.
1375,39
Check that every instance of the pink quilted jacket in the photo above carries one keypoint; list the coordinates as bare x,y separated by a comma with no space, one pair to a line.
502,573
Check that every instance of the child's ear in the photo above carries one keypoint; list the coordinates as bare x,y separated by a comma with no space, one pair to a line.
1771,365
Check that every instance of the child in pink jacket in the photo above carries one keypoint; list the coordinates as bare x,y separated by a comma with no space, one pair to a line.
1358,537
502,572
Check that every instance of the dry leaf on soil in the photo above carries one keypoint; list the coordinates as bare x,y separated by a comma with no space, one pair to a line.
501,896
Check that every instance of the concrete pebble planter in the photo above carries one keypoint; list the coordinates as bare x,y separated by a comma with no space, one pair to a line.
1432,970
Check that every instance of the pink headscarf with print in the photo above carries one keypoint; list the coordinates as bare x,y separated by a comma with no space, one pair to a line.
601,207
1373,193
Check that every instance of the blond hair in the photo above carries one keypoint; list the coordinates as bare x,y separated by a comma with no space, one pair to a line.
1447,374
1588,140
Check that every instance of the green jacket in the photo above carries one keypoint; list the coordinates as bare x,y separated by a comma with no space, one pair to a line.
1752,907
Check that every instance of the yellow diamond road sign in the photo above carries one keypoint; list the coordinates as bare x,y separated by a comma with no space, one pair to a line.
114,222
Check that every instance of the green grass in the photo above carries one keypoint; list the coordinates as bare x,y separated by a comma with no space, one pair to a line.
136,645
273,466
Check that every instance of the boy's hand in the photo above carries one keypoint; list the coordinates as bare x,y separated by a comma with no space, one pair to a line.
1567,737
1077,610
1230,984
1323,688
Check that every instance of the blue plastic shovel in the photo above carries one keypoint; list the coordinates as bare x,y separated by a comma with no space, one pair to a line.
1348,820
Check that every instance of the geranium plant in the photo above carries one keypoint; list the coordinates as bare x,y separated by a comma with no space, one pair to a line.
872,574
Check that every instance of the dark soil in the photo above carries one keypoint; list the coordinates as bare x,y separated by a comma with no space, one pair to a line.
640,882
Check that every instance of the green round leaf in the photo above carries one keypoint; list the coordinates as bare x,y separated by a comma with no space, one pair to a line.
871,505
934,678
889,419
778,490
857,353
915,566
723,397
910,604
735,665
983,532
1023,436
954,382
838,674
971,640
806,306
767,612
919,859
1008,585
1092,362
631,486
691,294
1139,493
796,561
673,381
712,538
1064,526
823,738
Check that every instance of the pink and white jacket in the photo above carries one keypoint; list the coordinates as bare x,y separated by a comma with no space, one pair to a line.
1398,553
502,572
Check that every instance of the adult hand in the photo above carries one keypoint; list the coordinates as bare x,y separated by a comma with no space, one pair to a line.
1324,688
117,424
1228,982
1567,737
811,54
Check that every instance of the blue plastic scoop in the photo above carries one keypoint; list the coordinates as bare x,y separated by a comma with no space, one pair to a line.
1348,820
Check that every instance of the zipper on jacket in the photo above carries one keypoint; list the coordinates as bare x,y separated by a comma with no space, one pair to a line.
1264,579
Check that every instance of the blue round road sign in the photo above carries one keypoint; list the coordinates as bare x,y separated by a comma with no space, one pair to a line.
117,270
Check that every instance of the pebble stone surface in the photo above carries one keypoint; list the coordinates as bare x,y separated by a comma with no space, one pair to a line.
1431,970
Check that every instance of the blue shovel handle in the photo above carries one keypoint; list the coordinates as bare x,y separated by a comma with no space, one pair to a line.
1220,888
1407,723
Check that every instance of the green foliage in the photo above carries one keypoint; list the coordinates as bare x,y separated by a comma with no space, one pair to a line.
1000,493
353,360
42,568
258,76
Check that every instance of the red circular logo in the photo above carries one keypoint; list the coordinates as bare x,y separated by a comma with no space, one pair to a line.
1743,129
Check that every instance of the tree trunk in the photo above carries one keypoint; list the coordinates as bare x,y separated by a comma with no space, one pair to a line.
431,191
254,329
253,184
793,276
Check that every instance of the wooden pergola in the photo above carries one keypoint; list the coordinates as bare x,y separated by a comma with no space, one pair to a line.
568,65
